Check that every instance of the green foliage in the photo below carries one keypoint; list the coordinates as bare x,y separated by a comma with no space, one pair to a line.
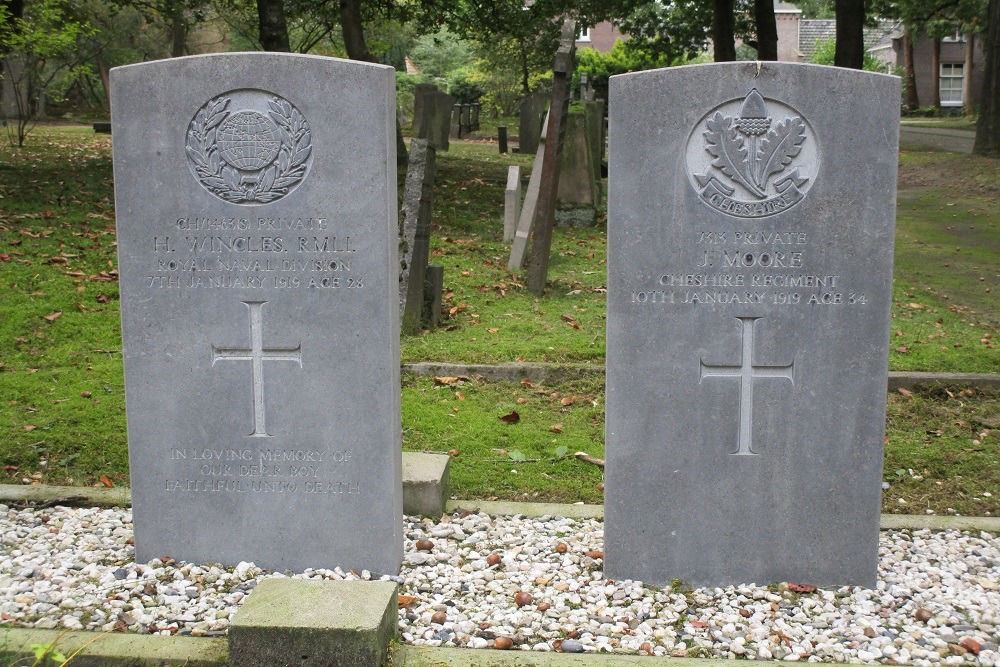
404,91
47,654
825,51
463,88
441,53
621,59
45,45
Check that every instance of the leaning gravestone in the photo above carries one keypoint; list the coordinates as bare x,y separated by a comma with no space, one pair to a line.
748,322
257,250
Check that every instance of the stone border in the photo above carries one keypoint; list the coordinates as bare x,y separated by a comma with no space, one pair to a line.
550,372
425,489
426,656
114,649
77,496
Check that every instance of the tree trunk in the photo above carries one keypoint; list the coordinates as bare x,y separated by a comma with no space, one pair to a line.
357,49
178,33
767,30
723,37
909,72
850,49
354,33
936,73
102,69
968,103
272,25
988,127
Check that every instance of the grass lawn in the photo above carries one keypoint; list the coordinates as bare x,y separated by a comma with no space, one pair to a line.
62,408
950,123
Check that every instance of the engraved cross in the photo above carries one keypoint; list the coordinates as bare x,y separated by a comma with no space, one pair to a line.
257,354
747,372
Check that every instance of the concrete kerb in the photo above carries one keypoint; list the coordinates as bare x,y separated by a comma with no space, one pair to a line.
550,372
425,656
425,488
114,649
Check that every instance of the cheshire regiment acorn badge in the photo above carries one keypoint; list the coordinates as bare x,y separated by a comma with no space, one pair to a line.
745,163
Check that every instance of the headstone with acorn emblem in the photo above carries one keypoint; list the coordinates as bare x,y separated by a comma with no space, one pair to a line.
750,239
256,210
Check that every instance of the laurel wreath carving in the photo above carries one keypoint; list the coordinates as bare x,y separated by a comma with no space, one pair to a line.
225,181
752,167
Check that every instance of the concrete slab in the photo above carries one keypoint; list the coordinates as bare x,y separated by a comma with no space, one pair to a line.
314,623
425,483
114,650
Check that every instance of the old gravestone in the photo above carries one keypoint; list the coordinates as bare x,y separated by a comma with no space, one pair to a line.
420,93
531,116
415,233
256,199
435,123
748,322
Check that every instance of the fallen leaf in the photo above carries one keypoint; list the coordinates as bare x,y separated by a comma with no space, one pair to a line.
58,260
904,391
566,401
522,401
901,349
106,481
556,428
85,394
406,600
801,588
445,379
103,298
459,395
29,427
511,418
493,330
52,317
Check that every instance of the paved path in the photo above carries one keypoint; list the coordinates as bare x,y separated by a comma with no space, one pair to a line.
958,141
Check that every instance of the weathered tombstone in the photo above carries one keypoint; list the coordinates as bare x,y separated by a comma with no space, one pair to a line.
502,138
749,279
465,119
456,121
474,116
415,233
530,122
257,249
545,208
436,119
579,187
433,292
420,93
512,202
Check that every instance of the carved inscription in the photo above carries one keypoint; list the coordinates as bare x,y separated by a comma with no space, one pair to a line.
246,470
254,253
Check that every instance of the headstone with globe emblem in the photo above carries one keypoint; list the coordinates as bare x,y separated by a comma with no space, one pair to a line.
750,242
256,210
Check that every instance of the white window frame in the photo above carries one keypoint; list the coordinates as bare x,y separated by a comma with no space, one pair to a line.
951,74
584,35
955,37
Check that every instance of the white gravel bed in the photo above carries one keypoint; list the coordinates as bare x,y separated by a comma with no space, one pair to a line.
531,584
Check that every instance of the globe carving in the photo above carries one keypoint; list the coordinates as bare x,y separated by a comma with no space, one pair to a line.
249,140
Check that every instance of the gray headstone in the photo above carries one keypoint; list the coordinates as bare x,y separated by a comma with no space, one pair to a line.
256,204
749,283
512,202
435,123
578,185
456,121
474,116
530,122
415,233
420,93
466,120
526,220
